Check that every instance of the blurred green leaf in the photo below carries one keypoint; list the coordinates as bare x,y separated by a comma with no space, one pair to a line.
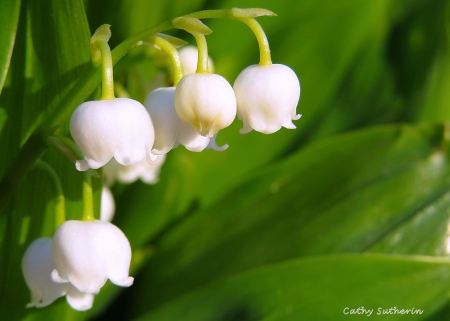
57,311
343,194
143,211
434,106
9,18
51,52
416,47
135,15
336,49
49,58
319,288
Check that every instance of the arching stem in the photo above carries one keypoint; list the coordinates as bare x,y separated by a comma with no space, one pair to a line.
202,63
60,206
264,49
175,59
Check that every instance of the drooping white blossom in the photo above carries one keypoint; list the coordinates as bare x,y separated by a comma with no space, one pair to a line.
170,129
267,98
206,101
119,128
87,254
108,205
189,58
37,266
147,173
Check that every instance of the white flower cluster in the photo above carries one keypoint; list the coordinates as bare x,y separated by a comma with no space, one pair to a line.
264,98
76,263
83,255
86,254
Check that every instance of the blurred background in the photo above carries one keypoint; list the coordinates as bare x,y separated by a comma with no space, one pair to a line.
351,209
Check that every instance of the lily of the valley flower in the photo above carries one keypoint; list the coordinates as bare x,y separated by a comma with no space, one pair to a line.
189,58
108,205
206,101
147,173
37,265
119,128
87,254
267,98
170,130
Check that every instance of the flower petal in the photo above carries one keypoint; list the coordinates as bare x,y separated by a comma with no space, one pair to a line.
267,98
78,300
37,264
206,101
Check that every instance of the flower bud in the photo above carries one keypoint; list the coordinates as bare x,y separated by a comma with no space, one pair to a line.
267,98
189,58
108,205
206,101
119,128
88,253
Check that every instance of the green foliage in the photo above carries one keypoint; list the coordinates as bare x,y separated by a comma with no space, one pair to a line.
348,210
318,288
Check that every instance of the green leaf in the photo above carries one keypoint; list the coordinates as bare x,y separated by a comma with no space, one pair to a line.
49,57
320,288
9,18
417,50
144,211
434,106
343,194
51,52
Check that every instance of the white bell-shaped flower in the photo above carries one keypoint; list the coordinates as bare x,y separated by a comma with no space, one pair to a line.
189,58
170,129
87,254
37,266
267,98
108,205
206,101
119,128
147,173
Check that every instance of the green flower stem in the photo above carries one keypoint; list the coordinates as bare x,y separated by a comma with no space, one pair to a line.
87,84
202,63
169,49
88,198
60,206
264,49
107,70
37,142
246,16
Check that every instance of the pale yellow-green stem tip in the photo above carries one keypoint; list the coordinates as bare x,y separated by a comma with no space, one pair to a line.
191,25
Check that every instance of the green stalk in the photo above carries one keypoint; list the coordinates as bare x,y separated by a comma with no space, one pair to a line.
202,63
264,49
107,70
60,206
169,49
88,198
